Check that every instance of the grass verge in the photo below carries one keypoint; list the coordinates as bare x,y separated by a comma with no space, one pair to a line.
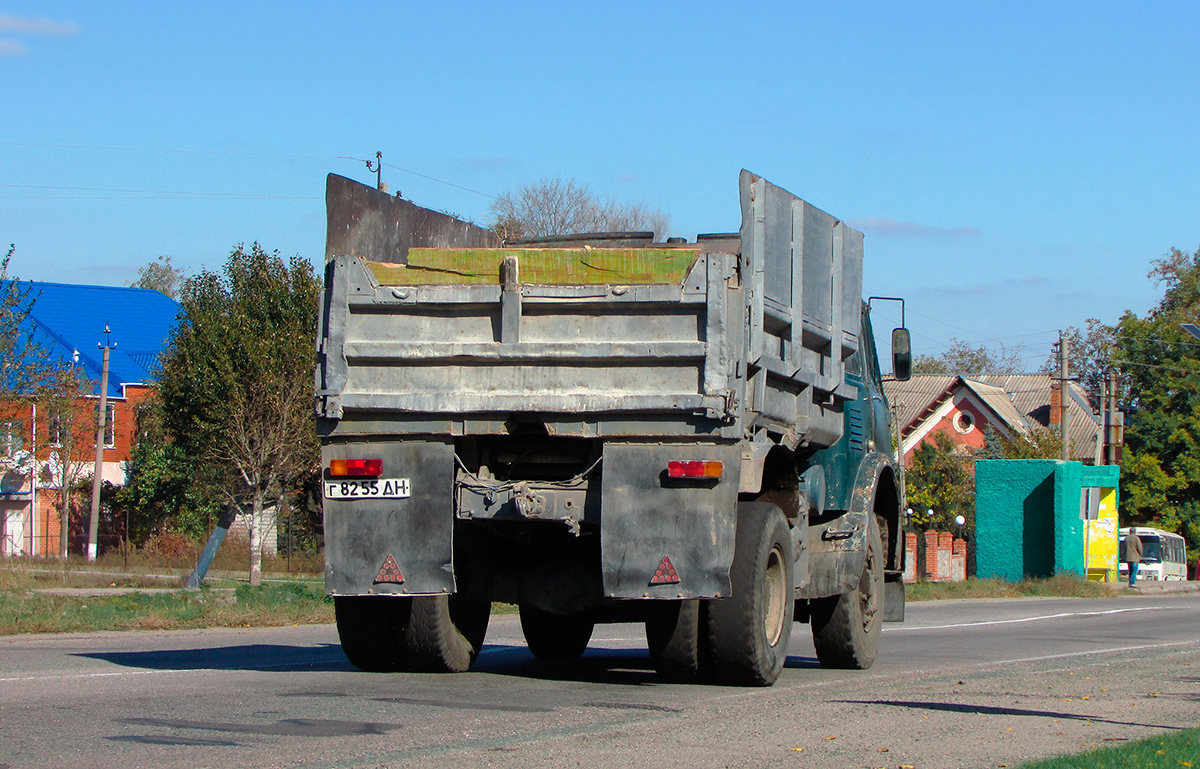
1060,585
302,601
261,606
1167,752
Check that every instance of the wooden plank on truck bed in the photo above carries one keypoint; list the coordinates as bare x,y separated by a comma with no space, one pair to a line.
547,266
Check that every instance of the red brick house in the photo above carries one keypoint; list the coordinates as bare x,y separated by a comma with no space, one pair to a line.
1012,405
69,321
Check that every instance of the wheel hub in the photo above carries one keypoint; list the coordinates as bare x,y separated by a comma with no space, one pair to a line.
775,593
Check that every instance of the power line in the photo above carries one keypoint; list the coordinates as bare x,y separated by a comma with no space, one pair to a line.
201,195
234,153
975,334
174,151
172,194
1156,365
181,196
440,181
1158,340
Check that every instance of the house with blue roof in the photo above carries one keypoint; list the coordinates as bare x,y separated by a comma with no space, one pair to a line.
69,322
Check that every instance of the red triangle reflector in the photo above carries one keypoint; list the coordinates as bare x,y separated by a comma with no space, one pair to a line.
389,572
665,573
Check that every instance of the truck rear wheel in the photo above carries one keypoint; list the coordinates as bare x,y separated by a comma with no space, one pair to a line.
748,632
371,629
551,637
445,633
673,634
846,627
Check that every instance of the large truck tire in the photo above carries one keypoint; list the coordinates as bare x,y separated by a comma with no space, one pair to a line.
445,633
673,634
846,627
748,632
371,629
551,637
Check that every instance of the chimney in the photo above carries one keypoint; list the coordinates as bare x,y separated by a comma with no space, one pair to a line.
1055,402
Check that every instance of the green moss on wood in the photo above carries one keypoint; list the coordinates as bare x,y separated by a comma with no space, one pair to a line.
546,266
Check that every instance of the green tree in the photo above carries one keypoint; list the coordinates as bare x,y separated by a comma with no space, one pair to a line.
940,477
1160,479
236,381
964,360
1040,443
160,489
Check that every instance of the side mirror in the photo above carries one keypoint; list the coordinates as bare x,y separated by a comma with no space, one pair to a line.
901,355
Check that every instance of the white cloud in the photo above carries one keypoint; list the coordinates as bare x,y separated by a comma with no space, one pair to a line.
12,48
890,228
27,26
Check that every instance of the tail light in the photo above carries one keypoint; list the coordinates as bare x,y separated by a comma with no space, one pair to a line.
343,468
695,468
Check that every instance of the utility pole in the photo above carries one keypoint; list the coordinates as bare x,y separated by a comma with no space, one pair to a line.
1114,428
101,419
380,184
1063,349
1102,448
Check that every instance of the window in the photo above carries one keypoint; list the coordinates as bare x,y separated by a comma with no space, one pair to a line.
59,426
963,422
54,426
12,436
110,430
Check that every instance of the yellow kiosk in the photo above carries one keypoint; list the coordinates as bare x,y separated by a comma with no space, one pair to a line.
1099,510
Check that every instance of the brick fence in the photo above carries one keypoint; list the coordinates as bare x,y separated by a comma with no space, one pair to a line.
943,559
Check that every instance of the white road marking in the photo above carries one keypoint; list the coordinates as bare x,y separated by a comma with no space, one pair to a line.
76,676
1094,651
1062,615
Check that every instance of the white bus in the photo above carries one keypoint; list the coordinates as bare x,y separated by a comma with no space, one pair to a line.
1164,555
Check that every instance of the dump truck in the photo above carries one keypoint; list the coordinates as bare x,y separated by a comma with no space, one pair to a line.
603,428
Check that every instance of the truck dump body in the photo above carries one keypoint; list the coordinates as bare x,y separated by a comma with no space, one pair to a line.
597,341
567,349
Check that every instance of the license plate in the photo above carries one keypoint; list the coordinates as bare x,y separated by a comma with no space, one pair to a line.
374,488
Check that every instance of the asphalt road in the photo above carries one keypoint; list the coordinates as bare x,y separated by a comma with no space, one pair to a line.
960,684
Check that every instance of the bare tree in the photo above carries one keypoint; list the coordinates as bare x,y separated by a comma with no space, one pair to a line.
161,276
557,206
1089,355
24,362
70,439
963,359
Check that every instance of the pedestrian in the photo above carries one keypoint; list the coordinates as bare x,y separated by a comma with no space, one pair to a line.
1131,553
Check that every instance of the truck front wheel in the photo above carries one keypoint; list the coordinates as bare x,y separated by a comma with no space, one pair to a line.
749,631
846,627
551,637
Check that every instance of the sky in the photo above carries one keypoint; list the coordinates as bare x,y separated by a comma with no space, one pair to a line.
1015,166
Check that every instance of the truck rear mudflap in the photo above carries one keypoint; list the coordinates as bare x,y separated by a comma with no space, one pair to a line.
389,527
668,537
